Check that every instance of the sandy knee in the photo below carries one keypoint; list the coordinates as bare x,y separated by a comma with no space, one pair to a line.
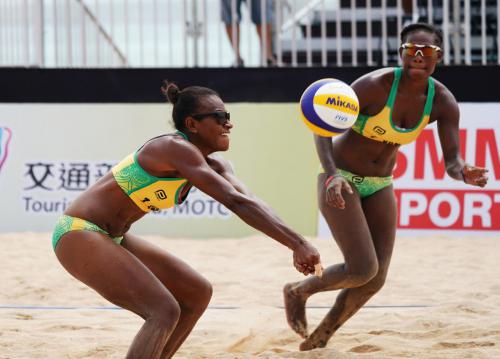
199,298
165,313
364,274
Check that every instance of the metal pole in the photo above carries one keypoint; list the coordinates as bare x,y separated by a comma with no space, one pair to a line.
430,15
205,32
194,12
155,32
69,45
467,34
384,32
308,44
38,35
84,39
446,32
3,51
484,60
220,29
294,36
141,34
369,32
18,39
234,32
98,38
324,58
56,33
263,32
184,32
11,25
456,32
415,11
338,37
112,27
127,29
26,34
249,32
278,32
354,35
399,22
169,33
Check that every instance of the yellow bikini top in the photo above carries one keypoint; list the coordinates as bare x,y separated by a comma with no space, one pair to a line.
148,192
380,126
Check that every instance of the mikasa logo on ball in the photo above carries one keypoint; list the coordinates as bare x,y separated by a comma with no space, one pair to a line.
339,103
329,107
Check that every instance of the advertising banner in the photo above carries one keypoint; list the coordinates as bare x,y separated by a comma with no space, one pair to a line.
429,200
51,153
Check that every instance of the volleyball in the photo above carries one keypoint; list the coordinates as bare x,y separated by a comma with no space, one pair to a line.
329,107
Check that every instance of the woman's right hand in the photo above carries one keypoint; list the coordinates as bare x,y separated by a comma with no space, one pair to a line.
334,187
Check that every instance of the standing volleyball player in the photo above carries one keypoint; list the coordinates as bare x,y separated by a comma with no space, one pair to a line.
355,192
92,239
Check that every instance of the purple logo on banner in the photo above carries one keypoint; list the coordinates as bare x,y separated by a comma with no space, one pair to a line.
5,136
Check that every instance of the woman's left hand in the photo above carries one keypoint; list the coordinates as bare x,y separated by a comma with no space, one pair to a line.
476,176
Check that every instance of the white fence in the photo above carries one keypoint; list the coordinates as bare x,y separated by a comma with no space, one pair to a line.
190,33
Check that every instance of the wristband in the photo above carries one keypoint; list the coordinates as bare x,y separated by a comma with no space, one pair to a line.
463,174
330,178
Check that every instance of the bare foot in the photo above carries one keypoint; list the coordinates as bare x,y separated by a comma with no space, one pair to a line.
319,337
312,342
295,308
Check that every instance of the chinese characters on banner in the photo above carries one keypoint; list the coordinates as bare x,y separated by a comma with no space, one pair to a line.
49,187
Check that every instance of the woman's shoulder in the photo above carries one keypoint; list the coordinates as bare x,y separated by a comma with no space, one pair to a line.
167,139
442,94
379,80
378,76
374,87
167,145
444,104
218,163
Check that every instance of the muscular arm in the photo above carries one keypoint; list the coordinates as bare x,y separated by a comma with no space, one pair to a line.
192,166
449,135
224,168
448,130
325,154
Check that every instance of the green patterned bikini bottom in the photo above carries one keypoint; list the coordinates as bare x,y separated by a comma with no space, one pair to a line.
366,186
67,224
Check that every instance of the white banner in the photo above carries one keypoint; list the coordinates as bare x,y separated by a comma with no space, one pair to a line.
50,154
431,202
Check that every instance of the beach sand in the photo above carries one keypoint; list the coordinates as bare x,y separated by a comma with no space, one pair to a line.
441,300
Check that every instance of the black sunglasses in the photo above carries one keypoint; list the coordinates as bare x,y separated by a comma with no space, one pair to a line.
221,117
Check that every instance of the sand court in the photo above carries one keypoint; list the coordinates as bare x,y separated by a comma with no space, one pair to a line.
441,300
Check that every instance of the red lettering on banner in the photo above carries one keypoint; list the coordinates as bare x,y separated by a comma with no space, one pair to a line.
401,165
448,209
486,138
462,135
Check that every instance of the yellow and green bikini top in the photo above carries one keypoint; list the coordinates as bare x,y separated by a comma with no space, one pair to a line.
148,192
380,126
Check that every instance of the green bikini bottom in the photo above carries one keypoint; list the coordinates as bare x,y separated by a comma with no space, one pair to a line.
67,224
366,186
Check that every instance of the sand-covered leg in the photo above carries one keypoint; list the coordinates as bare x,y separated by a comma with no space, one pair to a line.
346,305
348,302
295,308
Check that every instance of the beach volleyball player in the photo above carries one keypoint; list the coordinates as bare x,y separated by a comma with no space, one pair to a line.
92,242
355,192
